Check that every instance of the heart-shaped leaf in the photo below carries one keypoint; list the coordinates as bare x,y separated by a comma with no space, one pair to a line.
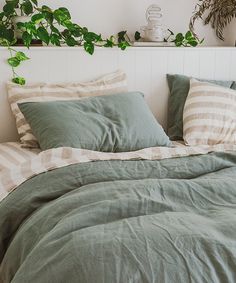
21,56
13,62
19,80
89,47
43,35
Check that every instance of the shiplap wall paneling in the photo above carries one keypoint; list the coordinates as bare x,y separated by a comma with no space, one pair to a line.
232,64
146,69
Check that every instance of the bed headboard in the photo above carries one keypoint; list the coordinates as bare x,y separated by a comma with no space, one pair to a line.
146,69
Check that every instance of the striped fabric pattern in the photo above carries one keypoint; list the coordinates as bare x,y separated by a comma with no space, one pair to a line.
209,115
38,92
60,157
12,155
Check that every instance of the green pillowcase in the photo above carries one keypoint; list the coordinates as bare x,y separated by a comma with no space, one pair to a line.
115,123
179,87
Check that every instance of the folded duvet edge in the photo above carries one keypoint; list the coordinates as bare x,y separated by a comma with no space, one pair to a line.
55,158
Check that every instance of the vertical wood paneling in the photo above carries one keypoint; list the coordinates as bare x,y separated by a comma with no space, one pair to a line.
56,65
146,69
232,72
127,63
175,63
191,63
81,66
159,85
222,64
106,61
207,64
143,68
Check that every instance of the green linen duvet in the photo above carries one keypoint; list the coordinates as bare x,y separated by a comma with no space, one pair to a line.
164,221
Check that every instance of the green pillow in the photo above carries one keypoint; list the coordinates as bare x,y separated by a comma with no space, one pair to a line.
115,123
179,87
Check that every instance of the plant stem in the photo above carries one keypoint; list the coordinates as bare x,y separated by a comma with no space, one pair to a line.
11,55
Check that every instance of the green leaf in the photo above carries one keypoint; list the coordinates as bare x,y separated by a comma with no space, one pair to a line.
43,35
27,38
73,28
193,43
30,28
121,36
55,39
7,34
55,30
137,35
2,14
179,37
48,16
27,7
61,15
21,56
46,9
47,13
188,35
9,7
84,30
19,80
13,62
109,43
89,47
70,41
20,25
91,36
76,31
66,33
178,43
66,12
123,45
68,24
37,18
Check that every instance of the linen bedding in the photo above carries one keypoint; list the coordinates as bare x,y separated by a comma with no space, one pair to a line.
154,215
12,154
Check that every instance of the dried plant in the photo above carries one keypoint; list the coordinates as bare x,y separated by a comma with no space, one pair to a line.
217,13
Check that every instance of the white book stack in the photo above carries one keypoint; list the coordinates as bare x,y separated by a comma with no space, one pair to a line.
153,44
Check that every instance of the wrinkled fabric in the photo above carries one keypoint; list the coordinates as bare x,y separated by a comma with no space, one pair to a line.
172,220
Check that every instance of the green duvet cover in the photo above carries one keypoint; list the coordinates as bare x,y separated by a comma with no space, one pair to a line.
123,221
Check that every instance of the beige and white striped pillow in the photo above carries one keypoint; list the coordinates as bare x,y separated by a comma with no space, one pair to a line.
12,154
109,84
209,115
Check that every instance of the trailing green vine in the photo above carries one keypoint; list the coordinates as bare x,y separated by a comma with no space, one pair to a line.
186,40
55,27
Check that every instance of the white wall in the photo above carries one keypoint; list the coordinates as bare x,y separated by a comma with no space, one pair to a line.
146,69
110,16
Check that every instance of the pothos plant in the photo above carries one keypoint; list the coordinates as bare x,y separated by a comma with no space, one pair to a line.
186,40
54,27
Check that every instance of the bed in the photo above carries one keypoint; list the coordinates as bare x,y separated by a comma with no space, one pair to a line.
135,207
122,221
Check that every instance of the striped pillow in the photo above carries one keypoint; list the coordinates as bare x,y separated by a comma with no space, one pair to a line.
109,84
209,115
11,155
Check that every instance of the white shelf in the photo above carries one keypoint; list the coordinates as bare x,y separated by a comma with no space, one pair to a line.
63,48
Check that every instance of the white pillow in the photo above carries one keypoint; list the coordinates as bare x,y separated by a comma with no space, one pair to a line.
109,84
209,116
